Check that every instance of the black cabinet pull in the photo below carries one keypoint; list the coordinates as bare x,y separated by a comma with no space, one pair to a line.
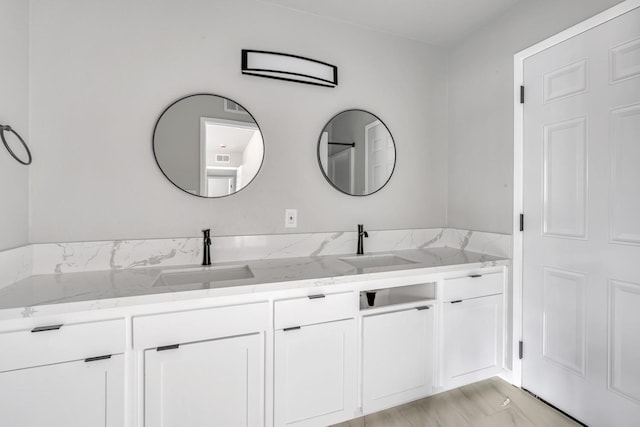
473,276
95,359
293,328
316,296
168,347
424,307
47,328
456,301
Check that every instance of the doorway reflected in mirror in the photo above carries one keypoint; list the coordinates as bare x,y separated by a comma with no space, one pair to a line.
206,148
356,153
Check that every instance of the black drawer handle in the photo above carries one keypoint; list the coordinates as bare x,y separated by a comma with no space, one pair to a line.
473,276
456,301
424,307
316,296
168,347
47,328
95,359
293,328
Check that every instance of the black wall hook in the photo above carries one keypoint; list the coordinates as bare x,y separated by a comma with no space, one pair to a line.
7,128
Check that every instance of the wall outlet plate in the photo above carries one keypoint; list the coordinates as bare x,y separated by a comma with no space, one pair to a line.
290,218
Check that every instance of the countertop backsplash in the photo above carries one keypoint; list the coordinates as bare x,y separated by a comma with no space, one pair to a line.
51,258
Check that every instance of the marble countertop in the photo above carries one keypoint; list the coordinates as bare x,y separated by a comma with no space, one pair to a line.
115,288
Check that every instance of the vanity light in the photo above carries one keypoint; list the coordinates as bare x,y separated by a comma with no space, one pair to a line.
291,68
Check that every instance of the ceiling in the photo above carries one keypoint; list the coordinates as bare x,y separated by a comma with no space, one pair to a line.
436,22
235,138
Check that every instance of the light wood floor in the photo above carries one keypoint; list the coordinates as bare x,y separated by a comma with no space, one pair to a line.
489,403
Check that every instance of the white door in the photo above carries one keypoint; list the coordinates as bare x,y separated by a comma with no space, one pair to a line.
220,185
472,339
315,374
397,357
341,170
87,394
210,383
380,156
581,271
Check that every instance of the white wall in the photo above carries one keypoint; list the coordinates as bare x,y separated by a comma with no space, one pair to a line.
102,72
480,131
14,111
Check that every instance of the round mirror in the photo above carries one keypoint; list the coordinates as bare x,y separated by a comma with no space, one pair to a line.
207,145
356,152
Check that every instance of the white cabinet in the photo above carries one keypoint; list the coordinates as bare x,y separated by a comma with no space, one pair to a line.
315,363
472,333
217,383
61,375
315,374
204,367
76,393
397,357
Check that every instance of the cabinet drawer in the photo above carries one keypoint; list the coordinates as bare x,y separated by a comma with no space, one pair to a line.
198,325
473,286
314,309
50,344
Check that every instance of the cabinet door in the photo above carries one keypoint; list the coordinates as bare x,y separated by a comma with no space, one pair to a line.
397,354
87,394
315,374
210,383
472,336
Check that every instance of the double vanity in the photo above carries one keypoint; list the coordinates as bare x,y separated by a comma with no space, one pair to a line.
308,341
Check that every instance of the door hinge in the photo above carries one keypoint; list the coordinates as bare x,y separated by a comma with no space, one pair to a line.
521,94
521,222
520,350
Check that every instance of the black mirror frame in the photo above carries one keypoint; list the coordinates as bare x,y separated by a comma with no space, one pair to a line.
153,147
395,153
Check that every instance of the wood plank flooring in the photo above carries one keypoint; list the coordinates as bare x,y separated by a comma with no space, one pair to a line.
489,403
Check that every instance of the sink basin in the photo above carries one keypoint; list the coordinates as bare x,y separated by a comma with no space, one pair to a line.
204,276
370,261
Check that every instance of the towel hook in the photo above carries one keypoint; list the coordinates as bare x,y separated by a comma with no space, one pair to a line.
8,128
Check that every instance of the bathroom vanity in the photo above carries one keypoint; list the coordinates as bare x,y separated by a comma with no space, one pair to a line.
283,342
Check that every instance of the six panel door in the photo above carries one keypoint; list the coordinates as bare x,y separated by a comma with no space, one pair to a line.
581,280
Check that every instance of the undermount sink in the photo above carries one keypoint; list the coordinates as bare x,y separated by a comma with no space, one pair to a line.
204,276
381,260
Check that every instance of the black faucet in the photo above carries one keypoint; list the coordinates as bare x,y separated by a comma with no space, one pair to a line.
206,248
361,234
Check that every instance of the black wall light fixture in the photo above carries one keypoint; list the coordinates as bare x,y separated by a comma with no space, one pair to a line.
292,68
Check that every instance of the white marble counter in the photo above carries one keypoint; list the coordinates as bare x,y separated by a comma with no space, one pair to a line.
68,292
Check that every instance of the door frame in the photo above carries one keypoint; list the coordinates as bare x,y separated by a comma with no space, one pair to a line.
518,160
366,152
352,167
204,121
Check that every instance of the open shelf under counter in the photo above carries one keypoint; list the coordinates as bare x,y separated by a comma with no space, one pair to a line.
397,297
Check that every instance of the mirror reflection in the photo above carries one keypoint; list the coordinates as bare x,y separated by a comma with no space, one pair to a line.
356,152
208,145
